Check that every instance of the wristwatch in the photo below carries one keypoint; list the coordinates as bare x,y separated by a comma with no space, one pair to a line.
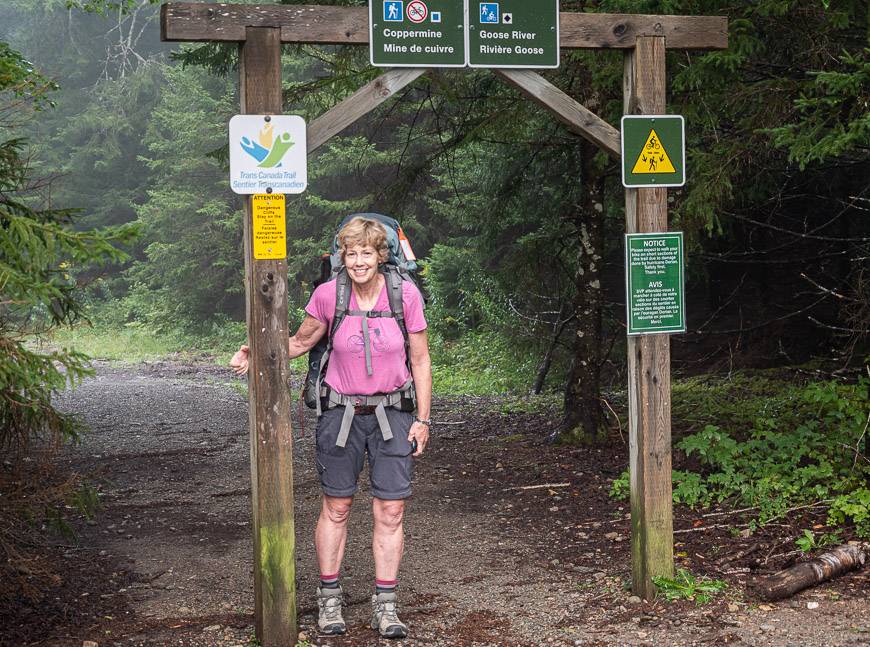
427,422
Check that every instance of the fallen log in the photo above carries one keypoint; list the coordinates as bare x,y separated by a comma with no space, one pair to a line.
841,559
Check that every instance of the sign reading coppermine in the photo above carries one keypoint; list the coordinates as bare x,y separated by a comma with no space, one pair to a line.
269,229
653,150
268,154
655,283
513,33
417,33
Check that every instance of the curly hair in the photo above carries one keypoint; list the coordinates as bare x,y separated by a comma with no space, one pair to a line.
365,232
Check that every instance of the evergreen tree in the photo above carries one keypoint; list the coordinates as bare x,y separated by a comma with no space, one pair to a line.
39,253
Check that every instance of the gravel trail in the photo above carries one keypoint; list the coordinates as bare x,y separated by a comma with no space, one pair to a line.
168,558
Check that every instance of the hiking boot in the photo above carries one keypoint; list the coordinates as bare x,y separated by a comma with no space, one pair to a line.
329,620
384,618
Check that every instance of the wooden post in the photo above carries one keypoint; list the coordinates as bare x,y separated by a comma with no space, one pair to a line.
268,388
649,374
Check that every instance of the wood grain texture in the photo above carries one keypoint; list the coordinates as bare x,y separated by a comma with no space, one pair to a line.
608,31
577,117
635,464
268,394
187,21
361,102
649,387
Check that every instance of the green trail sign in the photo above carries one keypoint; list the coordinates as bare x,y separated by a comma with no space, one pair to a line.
513,33
653,150
655,283
417,33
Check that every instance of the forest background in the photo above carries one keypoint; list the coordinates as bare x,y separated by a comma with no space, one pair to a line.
121,239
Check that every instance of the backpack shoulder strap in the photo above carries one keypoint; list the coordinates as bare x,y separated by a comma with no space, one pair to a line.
394,295
342,300
397,306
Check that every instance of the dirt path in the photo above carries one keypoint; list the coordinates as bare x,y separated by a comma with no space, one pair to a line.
167,561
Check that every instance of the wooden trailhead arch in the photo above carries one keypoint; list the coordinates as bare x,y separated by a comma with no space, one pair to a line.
260,30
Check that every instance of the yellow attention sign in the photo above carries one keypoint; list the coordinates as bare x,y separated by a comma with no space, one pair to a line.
270,227
653,157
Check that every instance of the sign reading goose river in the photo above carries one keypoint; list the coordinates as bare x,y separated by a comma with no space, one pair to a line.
268,154
513,33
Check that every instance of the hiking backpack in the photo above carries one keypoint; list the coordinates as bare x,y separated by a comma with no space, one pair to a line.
400,266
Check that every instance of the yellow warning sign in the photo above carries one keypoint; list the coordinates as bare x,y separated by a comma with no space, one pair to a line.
269,226
653,157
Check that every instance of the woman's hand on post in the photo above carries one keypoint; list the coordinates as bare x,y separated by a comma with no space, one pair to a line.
420,433
239,362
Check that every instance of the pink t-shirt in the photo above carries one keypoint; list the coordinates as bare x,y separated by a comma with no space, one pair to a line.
346,372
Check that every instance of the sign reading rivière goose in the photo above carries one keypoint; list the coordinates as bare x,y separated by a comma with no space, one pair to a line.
417,33
513,33
655,283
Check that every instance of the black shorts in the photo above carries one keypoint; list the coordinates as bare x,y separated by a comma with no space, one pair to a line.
390,463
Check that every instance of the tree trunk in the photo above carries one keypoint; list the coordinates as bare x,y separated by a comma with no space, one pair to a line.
584,419
547,362
825,567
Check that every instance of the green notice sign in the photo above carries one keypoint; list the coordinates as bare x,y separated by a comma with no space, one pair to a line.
417,33
653,150
513,33
655,283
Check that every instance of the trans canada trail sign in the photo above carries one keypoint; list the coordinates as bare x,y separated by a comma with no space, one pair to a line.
417,33
653,151
268,154
655,283
513,33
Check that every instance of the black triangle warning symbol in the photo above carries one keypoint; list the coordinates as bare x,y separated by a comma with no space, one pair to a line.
653,157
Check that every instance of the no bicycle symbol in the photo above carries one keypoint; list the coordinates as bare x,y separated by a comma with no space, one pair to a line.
417,11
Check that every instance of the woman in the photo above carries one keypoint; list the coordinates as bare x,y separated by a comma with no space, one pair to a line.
367,364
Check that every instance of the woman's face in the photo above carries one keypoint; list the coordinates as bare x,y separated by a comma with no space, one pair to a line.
361,263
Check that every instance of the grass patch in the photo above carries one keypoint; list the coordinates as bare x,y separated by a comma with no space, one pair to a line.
131,344
477,364
135,342
480,364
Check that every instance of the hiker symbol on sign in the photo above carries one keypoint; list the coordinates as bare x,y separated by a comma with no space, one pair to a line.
653,157
393,10
488,12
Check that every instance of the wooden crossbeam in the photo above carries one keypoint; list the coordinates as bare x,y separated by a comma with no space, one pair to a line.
188,21
577,117
364,100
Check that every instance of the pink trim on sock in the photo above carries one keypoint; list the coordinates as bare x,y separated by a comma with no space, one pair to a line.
386,583
329,577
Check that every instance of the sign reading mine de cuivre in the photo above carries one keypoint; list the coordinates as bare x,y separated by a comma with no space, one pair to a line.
653,150
268,154
655,283
513,33
417,33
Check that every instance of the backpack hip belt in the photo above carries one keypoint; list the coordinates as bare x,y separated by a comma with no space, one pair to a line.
380,402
